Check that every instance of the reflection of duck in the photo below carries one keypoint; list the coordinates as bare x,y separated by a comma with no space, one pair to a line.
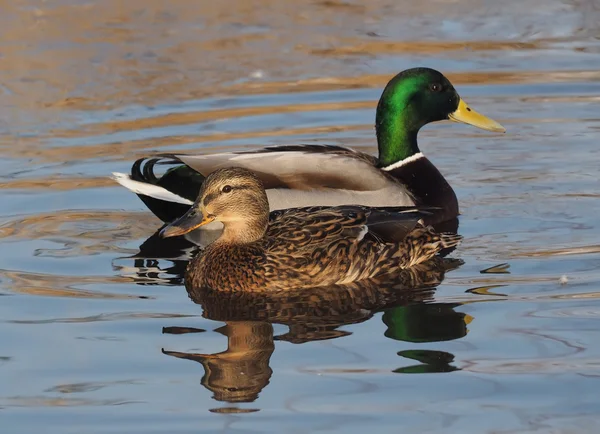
298,247
173,254
315,314
311,315
307,175
431,361
427,322
242,371
433,322
239,373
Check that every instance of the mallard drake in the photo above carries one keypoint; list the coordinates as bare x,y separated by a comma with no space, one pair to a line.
299,247
307,175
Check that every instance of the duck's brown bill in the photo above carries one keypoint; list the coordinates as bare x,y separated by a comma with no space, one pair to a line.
191,220
467,115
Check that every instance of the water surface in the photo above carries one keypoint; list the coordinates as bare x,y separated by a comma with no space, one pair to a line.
99,337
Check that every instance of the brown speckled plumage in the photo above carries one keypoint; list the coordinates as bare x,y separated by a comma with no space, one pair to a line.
300,247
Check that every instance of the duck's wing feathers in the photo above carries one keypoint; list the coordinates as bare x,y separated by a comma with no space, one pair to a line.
301,167
300,227
386,226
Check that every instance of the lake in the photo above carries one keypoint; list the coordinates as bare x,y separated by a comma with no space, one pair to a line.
98,332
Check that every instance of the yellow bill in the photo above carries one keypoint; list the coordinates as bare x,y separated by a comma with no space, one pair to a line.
467,115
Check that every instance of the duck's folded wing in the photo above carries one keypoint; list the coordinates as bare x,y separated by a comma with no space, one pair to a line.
302,167
392,225
321,225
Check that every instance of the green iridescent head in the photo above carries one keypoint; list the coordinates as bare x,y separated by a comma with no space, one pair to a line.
412,99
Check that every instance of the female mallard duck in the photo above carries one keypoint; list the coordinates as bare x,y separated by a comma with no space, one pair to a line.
307,175
298,247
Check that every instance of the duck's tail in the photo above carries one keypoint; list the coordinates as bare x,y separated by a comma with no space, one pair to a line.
424,243
448,240
147,189
169,195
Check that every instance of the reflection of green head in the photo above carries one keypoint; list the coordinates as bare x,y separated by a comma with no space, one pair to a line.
431,361
425,322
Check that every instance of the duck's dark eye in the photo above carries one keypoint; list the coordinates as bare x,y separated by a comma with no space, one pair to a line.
435,87
226,189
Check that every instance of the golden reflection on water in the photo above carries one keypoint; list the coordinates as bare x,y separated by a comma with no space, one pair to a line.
186,49
56,285
144,52
30,148
72,224
54,183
